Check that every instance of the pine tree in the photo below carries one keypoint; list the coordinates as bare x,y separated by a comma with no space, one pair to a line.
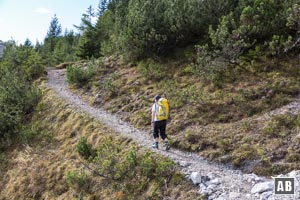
89,44
54,29
50,41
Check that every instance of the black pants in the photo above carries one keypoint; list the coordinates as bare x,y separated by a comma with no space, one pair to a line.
160,128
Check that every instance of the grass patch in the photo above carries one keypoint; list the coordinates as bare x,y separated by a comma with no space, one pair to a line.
265,147
151,70
54,168
220,112
132,170
77,180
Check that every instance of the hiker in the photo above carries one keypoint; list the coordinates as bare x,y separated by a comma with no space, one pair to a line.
159,116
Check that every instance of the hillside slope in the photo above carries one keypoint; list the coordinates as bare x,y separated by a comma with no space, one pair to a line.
60,121
229,181
49,167
247,119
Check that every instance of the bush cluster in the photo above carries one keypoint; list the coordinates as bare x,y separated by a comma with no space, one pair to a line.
133,169
79,76
18,96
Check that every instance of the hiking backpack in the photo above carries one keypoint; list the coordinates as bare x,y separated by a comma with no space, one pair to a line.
163,109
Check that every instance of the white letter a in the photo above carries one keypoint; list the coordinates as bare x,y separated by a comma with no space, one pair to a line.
280,186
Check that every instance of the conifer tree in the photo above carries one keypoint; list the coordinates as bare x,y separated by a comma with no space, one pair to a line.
89,44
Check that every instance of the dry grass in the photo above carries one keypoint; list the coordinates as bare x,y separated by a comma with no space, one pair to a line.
263,146
215,118
38,169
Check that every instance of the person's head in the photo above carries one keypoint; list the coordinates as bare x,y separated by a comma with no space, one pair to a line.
157,97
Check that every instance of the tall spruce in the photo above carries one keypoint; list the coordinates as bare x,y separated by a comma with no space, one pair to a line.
89,44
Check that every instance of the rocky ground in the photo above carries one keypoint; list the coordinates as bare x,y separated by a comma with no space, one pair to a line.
216,181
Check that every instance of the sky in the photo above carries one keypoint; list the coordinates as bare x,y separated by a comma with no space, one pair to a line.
22,19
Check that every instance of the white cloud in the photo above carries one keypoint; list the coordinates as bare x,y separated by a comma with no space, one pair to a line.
42,10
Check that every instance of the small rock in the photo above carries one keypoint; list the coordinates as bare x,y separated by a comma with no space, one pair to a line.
272,197
250,177
265,195
215,181
294,173
209,192
205,178
196,177
184,164
255,196
211,198
234,195
258,179
211,175
203,192
221,198
202,186
262,187
211,187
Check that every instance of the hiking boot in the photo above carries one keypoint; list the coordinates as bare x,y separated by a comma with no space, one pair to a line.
155,145
167,146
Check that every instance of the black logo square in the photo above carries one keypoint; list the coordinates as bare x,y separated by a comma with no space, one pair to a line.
285,185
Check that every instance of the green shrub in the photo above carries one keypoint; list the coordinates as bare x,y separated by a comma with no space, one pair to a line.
277,168
242,153
281,125
246,126
17,99
85,149
151,70
188,70
268,131
109,87
33,132
294,157
33,66
32,97
132,169
224,145
79,76
285,121
297,121
77,180
147,165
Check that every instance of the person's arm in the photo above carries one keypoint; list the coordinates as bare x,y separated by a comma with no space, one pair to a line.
152,115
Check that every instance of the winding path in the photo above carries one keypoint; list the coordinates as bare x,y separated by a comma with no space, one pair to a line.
230,184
